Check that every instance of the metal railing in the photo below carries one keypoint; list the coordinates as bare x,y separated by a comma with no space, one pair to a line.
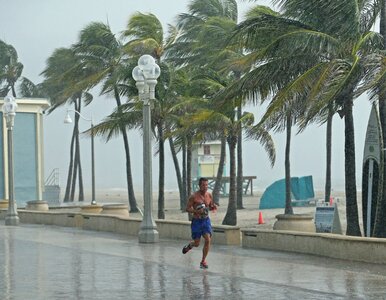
53,178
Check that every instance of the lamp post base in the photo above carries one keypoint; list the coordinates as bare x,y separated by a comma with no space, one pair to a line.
11,220
148,235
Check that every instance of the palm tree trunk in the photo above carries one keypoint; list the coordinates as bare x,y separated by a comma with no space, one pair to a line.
13,90
327,187
288,204
129,176
231,214
240,179
178,171
76,158
189,165
80,182
350,180
70,169
184,176
220,171
74,175
189,169
81,190
380,216
161,175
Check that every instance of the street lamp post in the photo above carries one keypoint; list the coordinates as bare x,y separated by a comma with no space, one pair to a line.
9,111
145,75
68,120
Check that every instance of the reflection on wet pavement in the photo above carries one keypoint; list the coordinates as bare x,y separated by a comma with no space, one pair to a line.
47,262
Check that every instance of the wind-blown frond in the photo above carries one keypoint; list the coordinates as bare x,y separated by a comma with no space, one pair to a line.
258,133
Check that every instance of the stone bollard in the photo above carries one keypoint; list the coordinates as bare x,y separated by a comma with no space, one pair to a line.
3,204
38,205
295,222
115,209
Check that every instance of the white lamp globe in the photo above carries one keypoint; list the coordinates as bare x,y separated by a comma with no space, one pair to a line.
146,62
156,71
137,74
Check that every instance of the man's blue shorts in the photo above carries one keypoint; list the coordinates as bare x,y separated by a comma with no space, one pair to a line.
200,227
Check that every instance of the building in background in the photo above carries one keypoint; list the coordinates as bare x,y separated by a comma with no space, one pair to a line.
28,153
205,163
206,159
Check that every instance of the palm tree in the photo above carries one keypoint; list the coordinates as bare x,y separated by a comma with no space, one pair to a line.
320,59
182,89
202,44
284,120
10,69
216,118
222,119
10,75
102,54
130,114
60,84
28,89
145,35
220,171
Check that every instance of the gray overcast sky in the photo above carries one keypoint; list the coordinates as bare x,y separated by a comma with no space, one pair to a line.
37,27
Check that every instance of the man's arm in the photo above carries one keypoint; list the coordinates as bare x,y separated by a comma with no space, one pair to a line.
189,205
212,205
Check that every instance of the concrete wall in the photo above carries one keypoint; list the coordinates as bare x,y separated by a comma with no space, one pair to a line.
371,250
225,235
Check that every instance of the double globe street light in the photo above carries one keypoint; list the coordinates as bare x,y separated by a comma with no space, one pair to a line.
145,75
9,112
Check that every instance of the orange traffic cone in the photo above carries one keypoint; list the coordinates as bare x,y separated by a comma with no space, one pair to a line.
261,220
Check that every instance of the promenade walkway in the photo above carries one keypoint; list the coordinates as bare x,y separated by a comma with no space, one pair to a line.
48,262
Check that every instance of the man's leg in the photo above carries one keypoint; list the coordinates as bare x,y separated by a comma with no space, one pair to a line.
196,236
188,247
207,235
205,249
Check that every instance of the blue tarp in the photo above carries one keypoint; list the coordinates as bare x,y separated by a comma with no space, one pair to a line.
302,188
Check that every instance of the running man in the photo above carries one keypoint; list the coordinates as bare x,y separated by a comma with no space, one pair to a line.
199,205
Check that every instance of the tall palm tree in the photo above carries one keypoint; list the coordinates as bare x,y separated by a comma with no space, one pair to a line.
319,58
130,114
358,57
102,54
284,120
145,35
10,74
202,44
182,88
216,118
10,69
62,73
222,119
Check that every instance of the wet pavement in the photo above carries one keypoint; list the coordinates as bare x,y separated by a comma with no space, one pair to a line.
48,262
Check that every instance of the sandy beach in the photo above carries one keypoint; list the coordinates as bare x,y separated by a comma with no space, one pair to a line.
246,218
